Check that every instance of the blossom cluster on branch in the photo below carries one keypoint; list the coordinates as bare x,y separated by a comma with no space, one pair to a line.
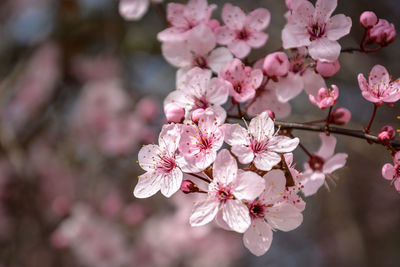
244,174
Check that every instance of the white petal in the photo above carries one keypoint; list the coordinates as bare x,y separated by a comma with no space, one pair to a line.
266,160
275,182
312,181
324,50
244,153
133,9
338,26
288,87
169,138
148,157
248,185
204,212
327,146
235,134
219,58
312,82
258,237
177,54
171,182
225,167
261,126
336,162
284,216
148,184
283,144
236,215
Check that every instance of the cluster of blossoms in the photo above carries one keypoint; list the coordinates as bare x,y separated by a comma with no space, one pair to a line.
262,193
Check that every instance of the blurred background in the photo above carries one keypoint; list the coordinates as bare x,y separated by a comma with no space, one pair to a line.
81,90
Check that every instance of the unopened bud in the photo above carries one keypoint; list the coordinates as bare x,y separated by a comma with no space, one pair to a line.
174,113
188,186
340,116
276,64
327,69
383,33
386,134
270,113
368,19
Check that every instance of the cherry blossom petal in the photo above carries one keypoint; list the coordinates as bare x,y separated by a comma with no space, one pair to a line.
275,182
221,223
248,185
258,19
257,39
284,144
172,34
393,97
233,17
397,184
148,157
388,171
312,181
258,237
324,9
327,148
294,36
266,160
312,82
236,215
338,26
268,100
244,153
288,87
225,35
336,162
261,126
225,167
378,76
148,184
289,159
239,48
396,158
171,182
175,15
218,91
284,216
204,212
169,138
219,58
133,9
201,40
177,54
324,50
235,135
362,82
303,13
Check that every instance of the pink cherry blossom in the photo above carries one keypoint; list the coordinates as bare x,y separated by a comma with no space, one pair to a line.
321,165
183,18
316,29
379,88
161,165
241,32
327,97
244,80
259,143
197,51
386,134
368,19
299,77
199,143
268,213
382,33
276,64
198,90
226,193
392,172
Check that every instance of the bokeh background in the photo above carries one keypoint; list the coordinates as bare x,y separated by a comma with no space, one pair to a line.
81,90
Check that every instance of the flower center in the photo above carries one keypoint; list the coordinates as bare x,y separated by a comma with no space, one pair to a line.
200,62
205,142
316,30
243,35
224,193
200,103
316,162
258,146
238,87
397,171
257,209
167,164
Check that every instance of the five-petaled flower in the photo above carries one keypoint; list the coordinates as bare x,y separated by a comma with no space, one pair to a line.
392,172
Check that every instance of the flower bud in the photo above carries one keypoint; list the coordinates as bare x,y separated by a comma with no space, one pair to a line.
368,19
188,186
327,69
196,114
383,33
340,116
276,64
174,113
386,134
270,113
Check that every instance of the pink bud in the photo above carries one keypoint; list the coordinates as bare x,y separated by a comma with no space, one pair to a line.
188,186
368,19
147,108
340,116
383,33
288,4
271,114
327,69
386,134
174,113
326,97
276,64
196,114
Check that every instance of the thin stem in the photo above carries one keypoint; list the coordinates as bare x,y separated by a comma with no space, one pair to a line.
327,119
201,178
312,122
302,147
372,119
